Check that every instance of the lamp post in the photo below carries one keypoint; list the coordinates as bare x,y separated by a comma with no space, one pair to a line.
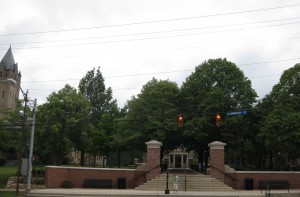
31,148
21,150
167,191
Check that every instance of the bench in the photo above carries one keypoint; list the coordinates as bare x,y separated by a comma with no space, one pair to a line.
97,183
274,184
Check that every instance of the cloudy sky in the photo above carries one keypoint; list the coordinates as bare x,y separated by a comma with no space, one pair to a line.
56,42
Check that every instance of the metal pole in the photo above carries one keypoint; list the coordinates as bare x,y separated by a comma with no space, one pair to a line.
185,180
23,140
31,148
167,191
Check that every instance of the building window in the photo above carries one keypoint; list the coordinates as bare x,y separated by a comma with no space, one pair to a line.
3,94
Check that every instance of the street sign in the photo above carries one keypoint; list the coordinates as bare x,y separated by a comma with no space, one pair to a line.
236,113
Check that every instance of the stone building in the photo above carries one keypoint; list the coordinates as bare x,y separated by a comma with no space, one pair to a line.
9,92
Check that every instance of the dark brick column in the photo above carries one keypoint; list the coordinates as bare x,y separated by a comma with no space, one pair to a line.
153,159
217,168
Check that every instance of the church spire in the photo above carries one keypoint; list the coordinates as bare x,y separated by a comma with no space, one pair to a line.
8,60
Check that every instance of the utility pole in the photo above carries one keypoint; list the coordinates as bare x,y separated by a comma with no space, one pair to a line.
23,141
31,148
23,138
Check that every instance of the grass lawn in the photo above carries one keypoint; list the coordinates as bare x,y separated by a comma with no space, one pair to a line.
5,173
11,194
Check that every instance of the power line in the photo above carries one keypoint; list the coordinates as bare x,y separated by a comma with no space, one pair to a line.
118,89
150,38
177,48
154,21
167,72
187,115
154,32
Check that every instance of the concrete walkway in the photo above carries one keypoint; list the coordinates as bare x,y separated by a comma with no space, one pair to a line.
129,192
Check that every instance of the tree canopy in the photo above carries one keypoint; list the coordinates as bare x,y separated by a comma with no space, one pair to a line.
280,127
217,86
63,123
93,89
153,114
89,120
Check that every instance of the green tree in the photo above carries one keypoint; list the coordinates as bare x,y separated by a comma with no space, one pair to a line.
11,130
93,89
63,123
152,115
4,136
216,86
104,111
281,114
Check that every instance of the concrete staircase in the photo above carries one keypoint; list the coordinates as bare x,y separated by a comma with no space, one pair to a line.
190,181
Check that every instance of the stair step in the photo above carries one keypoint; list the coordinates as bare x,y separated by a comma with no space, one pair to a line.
194,182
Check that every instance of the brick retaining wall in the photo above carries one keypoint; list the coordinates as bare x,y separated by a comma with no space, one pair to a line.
56,175
237,179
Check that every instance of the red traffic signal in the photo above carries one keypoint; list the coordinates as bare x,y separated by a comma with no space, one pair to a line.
180,121
218,120
218,117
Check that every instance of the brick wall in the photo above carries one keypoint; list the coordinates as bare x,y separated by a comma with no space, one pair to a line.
237,179
153,159
55,176
217,166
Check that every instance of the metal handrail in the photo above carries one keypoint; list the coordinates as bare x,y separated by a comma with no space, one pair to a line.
146,172
223,172
268,190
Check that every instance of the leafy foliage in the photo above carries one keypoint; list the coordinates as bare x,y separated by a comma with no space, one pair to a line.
65,124
281,114
153,115
216,86
93,89
103,112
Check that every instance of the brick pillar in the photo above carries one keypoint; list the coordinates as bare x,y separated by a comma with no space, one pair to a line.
217,168
153,159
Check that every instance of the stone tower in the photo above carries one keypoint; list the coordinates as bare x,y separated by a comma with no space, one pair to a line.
9,92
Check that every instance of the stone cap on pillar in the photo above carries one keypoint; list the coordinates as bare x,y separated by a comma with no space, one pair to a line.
153,144
216,145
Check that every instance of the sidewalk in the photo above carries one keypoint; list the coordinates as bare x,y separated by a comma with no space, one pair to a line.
128,192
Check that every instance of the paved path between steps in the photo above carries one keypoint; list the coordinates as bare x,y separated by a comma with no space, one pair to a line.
130,192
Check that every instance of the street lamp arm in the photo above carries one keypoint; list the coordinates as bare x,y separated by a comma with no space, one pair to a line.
15,82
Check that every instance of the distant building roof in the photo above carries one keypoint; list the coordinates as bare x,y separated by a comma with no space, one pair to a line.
8,60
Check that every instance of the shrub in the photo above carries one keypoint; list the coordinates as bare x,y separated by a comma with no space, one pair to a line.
67,184
2,161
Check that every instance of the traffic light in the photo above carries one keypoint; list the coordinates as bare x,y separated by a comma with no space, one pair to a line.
218,120
180,121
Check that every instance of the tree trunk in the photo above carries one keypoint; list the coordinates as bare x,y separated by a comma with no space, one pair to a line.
271,160
119,155
82,157
94,162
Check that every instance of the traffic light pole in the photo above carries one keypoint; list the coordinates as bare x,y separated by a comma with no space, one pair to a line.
167,191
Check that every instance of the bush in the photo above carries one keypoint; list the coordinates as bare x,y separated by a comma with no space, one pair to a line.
67,184
2,161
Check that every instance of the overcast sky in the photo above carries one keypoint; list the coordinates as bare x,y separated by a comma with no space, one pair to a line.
56,42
